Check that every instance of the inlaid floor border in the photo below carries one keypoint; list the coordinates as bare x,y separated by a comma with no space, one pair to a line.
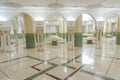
97,75
12,59
55,65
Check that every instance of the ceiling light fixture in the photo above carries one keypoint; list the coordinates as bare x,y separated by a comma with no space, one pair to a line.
56,5
12,4
97,5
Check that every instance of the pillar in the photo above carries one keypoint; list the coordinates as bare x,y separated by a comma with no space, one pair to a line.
38,40
1,46
3,41
105,28
16,37
98,38
30,30
78,32
118,33
70,39
24,40
8,41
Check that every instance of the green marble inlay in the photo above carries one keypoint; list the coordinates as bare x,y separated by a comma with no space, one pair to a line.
78,39
37,74
41,72
20,36
35,58
45,35
114,33
63,35
69,36
64,64
97,75
53,66
13,59
6,40
110,33
94,34
22,58
0,41
30,40
36,36
71,67
118,38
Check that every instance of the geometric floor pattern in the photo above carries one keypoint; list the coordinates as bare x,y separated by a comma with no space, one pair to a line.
63,71
59,63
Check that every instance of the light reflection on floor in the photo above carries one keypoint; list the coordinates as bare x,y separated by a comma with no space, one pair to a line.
59,63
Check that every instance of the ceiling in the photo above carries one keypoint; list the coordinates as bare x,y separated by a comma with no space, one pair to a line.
66,3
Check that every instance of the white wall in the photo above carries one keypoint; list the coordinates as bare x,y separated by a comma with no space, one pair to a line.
66,12
39,14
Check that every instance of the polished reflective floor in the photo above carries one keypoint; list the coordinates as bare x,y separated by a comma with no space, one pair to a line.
59,63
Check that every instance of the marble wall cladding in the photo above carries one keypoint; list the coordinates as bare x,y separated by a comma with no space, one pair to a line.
20,36
63,35
94,34
78,39
118,38
110,33
0,41
30,40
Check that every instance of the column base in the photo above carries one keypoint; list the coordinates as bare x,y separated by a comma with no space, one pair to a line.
118,38
78,39
30,40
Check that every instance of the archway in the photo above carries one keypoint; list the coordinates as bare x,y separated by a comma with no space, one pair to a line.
55,29
23,24
84,30
110,27
88,28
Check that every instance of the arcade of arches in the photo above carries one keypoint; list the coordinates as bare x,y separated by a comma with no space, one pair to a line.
57,49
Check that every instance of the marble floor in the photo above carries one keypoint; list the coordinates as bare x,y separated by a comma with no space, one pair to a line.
59,63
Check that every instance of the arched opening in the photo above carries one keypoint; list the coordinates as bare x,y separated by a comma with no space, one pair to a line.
110,28
55,30
88,29
84,30
17,25
23,28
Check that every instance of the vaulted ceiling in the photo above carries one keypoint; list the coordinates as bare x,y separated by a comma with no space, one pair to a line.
66,3
69,8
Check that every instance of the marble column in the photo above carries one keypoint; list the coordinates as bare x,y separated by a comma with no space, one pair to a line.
38,40
118,33
8,41
41,40
98,39
105,29
16,38
70,39
30,31
78,32
1,41
23,34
